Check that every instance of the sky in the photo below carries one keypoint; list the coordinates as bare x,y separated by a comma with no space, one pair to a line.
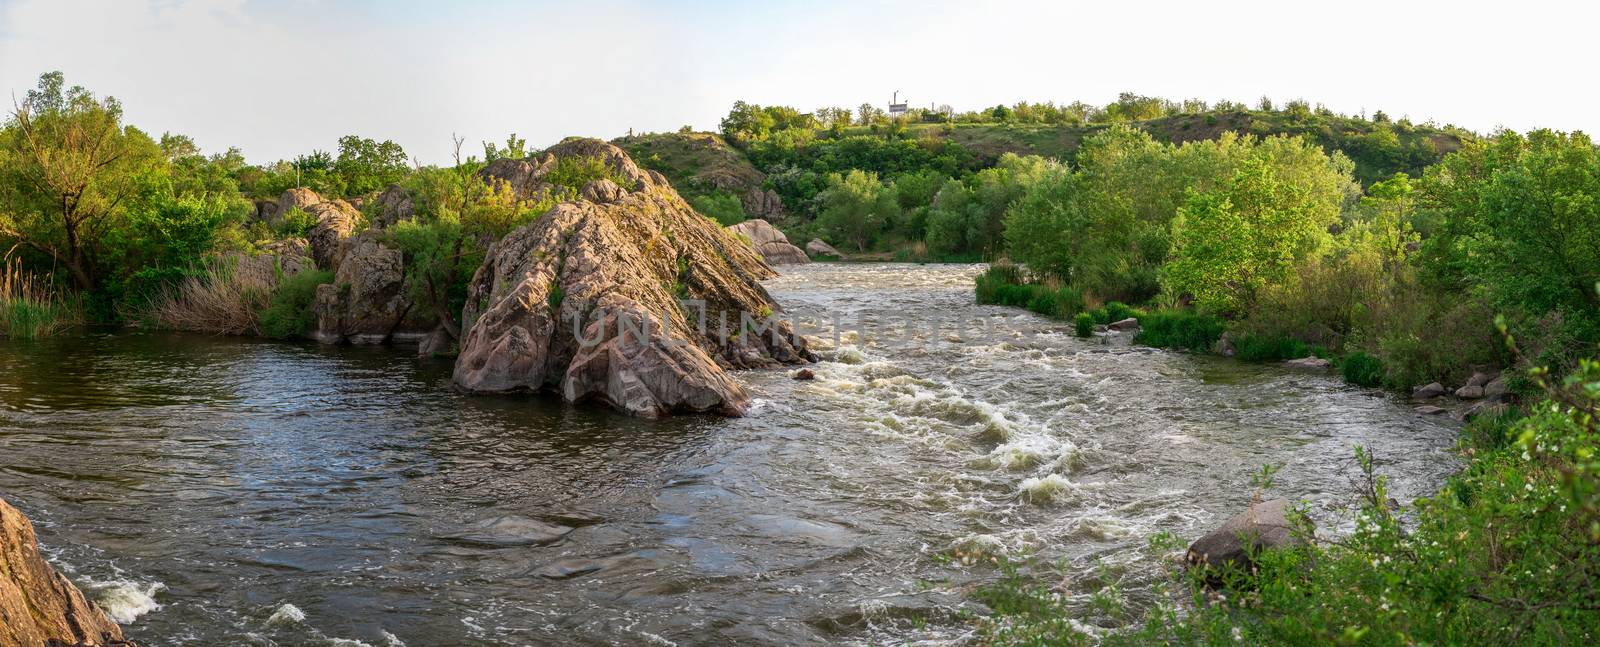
281,78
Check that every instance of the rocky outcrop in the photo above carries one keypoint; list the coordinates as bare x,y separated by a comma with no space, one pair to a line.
392,206
585,300
367,303
762,204
818,249
38,606
336,220
770,243
1263,526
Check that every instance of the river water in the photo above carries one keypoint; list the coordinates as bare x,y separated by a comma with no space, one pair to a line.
227,491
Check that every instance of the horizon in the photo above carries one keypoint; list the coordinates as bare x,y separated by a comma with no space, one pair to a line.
310,72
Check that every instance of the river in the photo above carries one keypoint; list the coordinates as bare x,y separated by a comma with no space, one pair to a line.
231,491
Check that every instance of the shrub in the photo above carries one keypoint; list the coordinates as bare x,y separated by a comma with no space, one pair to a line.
296,223
1116,311
225,298
1268,348
1362,369
1084,324
289,313
725,208
1181,329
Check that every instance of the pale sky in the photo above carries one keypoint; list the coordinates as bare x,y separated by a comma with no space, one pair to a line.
277,79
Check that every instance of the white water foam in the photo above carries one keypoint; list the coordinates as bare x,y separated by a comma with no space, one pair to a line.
125,600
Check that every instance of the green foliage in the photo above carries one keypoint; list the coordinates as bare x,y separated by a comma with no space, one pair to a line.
288,314
1002,284
1083,324
1117,311
1179,329
573,172
1362,369
295,223
723,207
1269,348
366,166
856,207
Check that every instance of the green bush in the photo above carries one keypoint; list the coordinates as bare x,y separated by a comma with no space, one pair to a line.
1269,348
1116,311
1362,369
289,314
296,223
1083,324
1181,329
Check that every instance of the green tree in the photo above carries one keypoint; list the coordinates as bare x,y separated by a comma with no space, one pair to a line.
68,167
856,207
366,165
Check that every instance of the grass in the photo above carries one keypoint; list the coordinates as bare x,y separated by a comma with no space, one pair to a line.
1180,329
31,308
288,313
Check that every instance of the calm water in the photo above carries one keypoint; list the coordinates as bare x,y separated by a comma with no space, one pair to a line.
213,491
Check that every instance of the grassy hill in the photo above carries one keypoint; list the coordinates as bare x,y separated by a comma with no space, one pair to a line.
695,163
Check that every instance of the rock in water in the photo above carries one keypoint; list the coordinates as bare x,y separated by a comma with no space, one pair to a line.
1310,362
1428,391
770,243
818,249
586,299
367,303
1263,526
1125,325
37,605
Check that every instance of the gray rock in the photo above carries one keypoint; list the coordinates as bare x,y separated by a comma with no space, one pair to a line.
816,248
1479,378
1263,526
1470,392
367,303
1496,388
1125,325
770,243
1312,362
392,206
1428,391
1225,346
38,605
602,191
438,343
1430,410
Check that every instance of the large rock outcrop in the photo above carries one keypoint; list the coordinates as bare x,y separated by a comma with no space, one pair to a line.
393,205
368,302
38,606
586,300
336,220
770,243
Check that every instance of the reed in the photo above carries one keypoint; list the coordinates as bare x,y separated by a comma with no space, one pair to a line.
226,299
30,307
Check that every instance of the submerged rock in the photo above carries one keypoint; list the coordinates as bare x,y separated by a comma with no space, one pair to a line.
1312,362
1428,391
1430,410
1262,526
770,243
1124,325
818,249
38,606
586,299
805,374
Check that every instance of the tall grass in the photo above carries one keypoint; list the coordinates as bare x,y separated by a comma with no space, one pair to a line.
30,307
226,299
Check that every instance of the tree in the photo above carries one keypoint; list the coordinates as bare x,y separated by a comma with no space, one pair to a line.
856,207
67,169
366,165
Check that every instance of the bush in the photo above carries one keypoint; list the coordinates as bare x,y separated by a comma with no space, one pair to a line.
296,223
289,312
1181,329
1084,324
1116,311
1362,369
225,298
1265,348
725,208
31,308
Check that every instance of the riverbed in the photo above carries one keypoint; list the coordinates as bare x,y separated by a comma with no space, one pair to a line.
233,491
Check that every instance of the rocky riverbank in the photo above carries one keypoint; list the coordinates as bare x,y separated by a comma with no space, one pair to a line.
39,606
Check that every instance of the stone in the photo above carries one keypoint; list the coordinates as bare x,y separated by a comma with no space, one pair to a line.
770,243
39,606
336,220
1263,526
805,374
1479,378
1469,392
602,191
818,249
392,206
1485,408
1312,362
1496,389
1430,410
1428,391
1225,345
588,300
367,302
439,343
762,204
1124,325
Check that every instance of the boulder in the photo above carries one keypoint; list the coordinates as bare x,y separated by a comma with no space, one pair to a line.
1428,391
336,220
1496,389
393,205
762,205
1225,345
1312,362
587,301
816,248
770,243
805,374
367,303
1469,392
602,191
1479,378
38,606
1124,325
1263,526
1485,408
266,211
438,343
1430,410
